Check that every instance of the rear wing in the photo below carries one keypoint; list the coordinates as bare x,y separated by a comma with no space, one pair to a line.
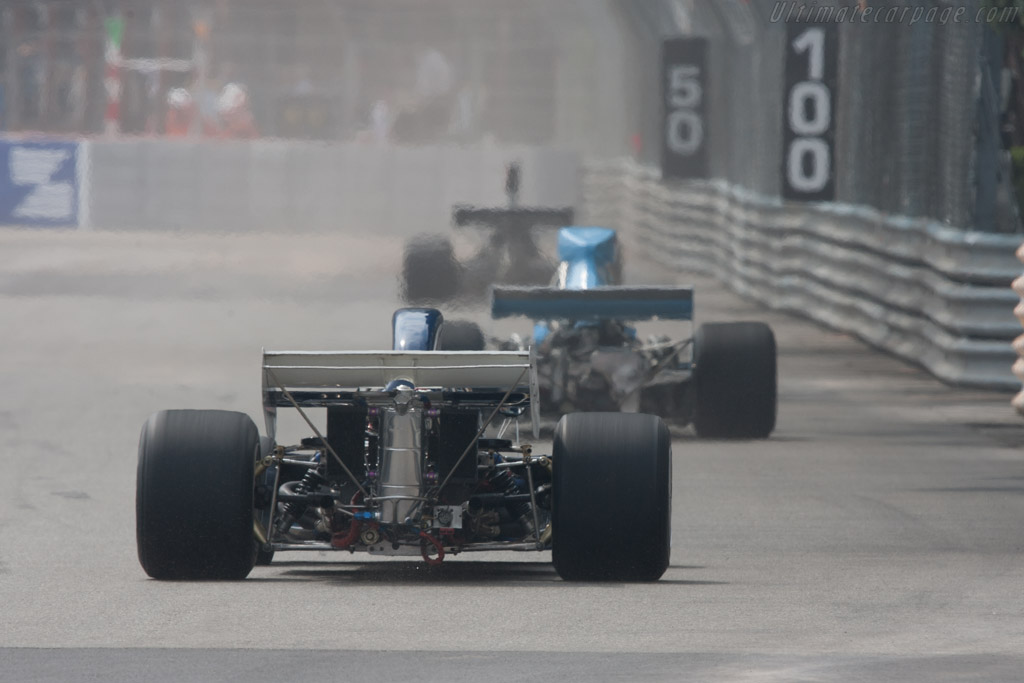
600,303
512,218
322,378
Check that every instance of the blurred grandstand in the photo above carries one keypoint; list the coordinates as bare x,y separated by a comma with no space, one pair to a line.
311,69
928,114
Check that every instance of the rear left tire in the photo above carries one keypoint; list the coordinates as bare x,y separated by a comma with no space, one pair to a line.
194,495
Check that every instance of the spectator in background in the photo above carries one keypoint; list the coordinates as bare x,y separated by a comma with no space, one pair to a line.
205,92
29,72
465,121
433,76
381,120
377,120
427,116
78,98
434,82
205,98
236,119
182,119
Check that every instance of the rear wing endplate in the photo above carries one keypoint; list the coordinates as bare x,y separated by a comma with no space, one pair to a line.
624,303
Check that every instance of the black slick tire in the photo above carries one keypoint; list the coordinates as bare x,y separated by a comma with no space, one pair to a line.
735,380
194,495
430,273
612,489
460,335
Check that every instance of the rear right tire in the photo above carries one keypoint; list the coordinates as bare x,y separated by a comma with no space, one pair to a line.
612,489
735,381
460,335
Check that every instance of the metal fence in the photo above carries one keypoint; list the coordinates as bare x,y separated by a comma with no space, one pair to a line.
924,115
919,108
464,69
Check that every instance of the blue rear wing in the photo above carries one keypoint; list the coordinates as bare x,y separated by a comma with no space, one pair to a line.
599,303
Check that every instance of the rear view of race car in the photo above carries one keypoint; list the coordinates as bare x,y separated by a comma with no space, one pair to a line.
432,274
721,379
421,456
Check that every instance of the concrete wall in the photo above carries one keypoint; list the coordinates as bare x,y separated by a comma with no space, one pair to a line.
293,186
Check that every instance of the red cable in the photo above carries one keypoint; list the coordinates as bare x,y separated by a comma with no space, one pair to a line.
343,541
432,561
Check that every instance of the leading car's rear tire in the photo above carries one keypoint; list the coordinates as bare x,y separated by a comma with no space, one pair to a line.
194,495
430,272
735,381
611,514
460,335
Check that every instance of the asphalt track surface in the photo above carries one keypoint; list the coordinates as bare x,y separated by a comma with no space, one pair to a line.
876,536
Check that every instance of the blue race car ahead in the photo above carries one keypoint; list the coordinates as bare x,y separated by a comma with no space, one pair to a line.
721,379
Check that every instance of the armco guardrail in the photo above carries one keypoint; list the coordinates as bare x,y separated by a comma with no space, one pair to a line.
936,296
1018,343
266,185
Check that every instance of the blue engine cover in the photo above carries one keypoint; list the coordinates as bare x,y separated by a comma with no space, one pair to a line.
415,329
588,254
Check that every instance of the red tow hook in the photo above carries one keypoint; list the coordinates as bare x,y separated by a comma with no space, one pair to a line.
432,561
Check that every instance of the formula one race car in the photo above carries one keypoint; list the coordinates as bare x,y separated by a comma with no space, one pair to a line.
432,274
421,456
722,380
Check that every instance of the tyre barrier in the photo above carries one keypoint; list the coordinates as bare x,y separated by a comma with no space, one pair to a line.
931,294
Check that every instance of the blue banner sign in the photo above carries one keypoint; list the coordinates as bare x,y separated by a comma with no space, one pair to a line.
39,183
